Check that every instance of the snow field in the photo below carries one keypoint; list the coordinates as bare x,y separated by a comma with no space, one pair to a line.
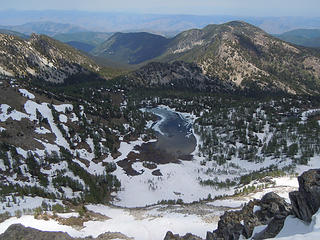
151,224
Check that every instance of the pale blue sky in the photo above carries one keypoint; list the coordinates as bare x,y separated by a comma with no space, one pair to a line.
203,7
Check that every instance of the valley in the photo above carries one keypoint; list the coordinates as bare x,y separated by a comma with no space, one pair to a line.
220,162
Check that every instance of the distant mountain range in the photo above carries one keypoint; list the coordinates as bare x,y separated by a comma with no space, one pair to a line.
81,46
303,37
91,38
44,27
168,25
236,53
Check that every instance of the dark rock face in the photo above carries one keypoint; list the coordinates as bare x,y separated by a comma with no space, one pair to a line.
306,201
272,211
235,223
272,205
273,228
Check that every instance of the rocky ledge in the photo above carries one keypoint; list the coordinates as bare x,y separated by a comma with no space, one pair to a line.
271,210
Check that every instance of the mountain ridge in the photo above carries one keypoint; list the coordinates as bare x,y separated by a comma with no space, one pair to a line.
235,52
42,57
45,27
248,57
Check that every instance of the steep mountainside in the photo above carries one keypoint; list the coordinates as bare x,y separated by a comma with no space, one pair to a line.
41,57
303,37
249,57
178,75
132,48
61,147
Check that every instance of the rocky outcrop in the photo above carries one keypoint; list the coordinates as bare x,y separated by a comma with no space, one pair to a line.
235,223
273,213
188,236
271,210
306,201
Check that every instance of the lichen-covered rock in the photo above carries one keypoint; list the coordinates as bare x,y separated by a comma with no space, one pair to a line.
306,201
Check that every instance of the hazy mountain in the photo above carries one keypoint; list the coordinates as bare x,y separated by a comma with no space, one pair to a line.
91,38
81,46
159,24
303,37
47,28
132,48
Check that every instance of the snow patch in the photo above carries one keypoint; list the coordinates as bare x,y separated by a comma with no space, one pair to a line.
63,107
42,130
63,118
26,93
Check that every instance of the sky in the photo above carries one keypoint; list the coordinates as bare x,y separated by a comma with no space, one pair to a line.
306,8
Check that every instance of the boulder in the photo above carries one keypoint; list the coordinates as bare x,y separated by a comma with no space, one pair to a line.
271,206
188,236
306,201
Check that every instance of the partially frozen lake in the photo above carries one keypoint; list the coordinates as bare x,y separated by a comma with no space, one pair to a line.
174,132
